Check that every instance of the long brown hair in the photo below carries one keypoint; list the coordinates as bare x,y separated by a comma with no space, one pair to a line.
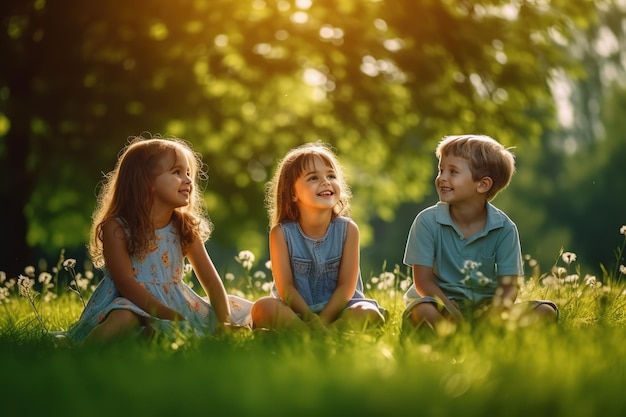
126,193
279,190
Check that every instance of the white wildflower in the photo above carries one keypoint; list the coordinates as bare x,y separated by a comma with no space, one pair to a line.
69,263
25,285
568,257
229,276
622,269
45,278
622,230
30,271
4,295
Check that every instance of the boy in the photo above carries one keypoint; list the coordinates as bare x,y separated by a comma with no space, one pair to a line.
465,253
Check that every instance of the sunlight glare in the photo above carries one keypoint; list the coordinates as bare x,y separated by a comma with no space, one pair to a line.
299,17
221,40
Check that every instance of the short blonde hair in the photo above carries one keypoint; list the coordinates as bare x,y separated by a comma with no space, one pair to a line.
486,157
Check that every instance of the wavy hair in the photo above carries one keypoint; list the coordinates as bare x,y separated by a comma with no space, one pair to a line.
126,193
279,190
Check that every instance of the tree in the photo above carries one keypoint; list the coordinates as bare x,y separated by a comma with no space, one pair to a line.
245,81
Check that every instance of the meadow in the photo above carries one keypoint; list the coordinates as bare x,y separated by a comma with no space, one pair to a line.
574,368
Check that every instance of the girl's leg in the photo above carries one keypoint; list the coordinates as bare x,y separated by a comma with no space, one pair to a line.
271,313
117,323
360,317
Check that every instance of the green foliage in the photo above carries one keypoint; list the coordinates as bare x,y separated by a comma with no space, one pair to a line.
247,80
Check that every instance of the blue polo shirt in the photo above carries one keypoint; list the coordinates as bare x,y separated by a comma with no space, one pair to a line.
465,269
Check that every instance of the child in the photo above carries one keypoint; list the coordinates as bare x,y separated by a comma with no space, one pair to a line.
464,252
314,249
148,219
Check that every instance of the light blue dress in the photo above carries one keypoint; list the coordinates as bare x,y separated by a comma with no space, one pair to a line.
160,272
315,264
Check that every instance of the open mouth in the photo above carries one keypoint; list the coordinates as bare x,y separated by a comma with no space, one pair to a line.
325,193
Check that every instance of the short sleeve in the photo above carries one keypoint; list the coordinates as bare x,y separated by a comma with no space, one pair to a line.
509,252
421,242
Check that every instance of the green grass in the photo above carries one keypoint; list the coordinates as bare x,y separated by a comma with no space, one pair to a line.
576,368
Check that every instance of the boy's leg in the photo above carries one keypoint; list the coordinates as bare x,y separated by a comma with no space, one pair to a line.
423,314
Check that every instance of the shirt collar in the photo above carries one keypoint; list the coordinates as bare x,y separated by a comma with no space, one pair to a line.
495,218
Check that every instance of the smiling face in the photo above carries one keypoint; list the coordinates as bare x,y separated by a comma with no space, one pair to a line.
317,187
454,181
173,187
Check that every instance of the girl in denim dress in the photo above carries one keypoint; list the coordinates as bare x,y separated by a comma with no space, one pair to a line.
148,220
314,248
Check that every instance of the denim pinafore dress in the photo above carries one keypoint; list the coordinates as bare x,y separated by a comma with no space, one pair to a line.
315,264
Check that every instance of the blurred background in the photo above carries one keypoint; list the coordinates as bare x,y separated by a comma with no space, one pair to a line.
380,80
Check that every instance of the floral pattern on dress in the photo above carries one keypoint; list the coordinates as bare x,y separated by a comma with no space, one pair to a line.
160,272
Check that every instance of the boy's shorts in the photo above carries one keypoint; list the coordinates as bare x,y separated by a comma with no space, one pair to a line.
466,309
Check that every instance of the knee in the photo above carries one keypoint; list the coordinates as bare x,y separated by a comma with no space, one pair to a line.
424,313
123,319
546,312
262,309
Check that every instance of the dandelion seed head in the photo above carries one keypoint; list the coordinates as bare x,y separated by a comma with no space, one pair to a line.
45,278
470,265
483,281
245,255
49,296
591,280
568,257
549,281
4,295
229,276
69,263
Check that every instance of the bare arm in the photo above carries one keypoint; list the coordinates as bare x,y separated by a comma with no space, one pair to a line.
210,280
348,276
118,263
283,275
424,280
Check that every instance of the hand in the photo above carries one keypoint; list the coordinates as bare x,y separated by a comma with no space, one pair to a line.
454,310
228,328
315,323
